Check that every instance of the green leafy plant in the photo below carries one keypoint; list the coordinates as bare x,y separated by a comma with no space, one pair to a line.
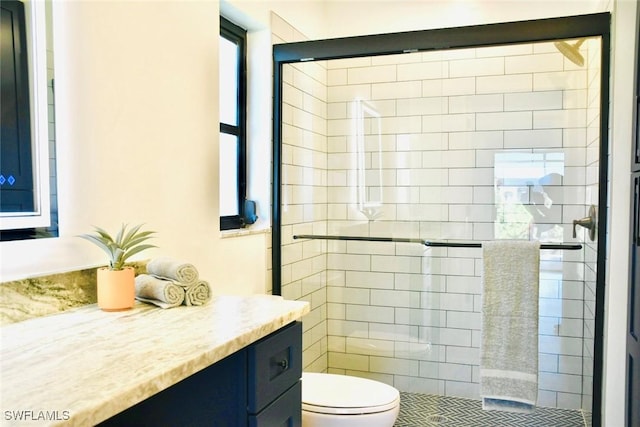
125,244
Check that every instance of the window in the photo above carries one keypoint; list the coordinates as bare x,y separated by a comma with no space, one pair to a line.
233,100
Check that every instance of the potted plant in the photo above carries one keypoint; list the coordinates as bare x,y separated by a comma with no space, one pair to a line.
116,282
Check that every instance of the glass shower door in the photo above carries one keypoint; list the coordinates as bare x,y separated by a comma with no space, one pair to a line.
382,154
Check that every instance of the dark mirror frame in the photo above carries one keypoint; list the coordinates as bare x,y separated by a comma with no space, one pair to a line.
52,230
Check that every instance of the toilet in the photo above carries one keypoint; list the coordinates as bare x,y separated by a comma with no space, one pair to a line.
330,400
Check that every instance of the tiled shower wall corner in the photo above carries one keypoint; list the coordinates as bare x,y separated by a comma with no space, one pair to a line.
304,209
407,315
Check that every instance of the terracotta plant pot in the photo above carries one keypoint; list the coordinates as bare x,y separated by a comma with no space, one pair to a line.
116,289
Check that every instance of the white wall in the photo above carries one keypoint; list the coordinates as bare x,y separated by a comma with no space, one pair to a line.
624,37
137,114
137,127
356,17
308,16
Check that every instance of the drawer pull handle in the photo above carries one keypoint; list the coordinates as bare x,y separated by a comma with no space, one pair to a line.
284,364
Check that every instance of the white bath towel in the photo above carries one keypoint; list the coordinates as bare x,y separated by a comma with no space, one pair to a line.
161,292
173,269
509,345
198,293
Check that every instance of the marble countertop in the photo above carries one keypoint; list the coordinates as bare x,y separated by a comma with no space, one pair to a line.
85,365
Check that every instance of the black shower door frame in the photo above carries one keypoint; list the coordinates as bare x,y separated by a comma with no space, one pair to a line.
571,27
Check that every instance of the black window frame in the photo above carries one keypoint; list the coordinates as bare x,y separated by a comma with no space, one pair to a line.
237,35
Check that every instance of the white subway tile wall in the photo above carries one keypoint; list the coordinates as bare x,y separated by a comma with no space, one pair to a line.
307,191
409,315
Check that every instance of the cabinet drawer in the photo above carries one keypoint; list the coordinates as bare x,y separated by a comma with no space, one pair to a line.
286,411
274,365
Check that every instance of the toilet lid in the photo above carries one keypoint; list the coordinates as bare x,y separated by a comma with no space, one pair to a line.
341,394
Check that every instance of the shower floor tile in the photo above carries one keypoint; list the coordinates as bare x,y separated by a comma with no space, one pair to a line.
423,410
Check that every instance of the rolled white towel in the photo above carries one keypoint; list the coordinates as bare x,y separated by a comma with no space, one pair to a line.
197,294
161,292
173,269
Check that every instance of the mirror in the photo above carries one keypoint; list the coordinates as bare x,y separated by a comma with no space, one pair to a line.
28,206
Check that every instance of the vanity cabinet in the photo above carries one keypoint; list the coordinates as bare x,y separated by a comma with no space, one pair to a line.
274,366
258,386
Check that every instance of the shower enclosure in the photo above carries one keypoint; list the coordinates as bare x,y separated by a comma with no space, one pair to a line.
397,155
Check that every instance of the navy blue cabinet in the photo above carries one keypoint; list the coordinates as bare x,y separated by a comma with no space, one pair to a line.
258,386
274,366
280,412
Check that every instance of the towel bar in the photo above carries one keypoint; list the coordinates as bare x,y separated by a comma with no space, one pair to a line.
563,246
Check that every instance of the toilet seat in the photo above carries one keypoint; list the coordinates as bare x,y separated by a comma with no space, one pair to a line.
346,395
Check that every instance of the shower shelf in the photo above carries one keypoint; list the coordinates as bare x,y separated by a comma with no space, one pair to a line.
563,246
